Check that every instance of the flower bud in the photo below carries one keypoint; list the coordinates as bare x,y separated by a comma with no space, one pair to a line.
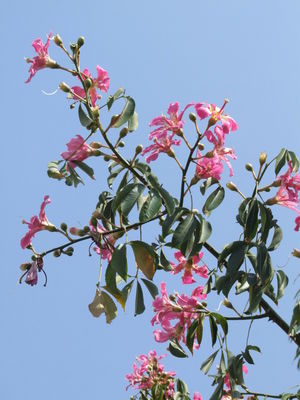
123,132
180,133
231,186
74,231
25,266
295,253
262,158
121,144
63,226
69,251
74,47
96,145
249,167
86,229
97,153
138,149
106,158
80,41
64,87
57,40
201,146
57,253
192,117
88,83
227,303
271,202
94,222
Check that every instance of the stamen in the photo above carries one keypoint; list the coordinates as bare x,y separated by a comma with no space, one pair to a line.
46,279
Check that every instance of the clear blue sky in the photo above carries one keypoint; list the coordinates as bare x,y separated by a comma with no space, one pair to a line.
160,51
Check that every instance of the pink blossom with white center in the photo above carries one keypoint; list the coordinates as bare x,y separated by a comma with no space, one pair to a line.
179,308
101,82
216,114
218,140
105,247
148,372
161,145
37,224
172,123
189,266
208,167
78,150
42,60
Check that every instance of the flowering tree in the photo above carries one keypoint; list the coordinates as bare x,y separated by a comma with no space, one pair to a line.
135,197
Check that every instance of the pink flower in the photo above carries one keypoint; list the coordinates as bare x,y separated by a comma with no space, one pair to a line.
101,82
42,60
172,123
287,194
197,396
148,373
218,139
105,245
161,145
216,114
208,167
189,266
78,150
37,224
180,309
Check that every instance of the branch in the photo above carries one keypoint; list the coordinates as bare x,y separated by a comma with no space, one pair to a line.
272,314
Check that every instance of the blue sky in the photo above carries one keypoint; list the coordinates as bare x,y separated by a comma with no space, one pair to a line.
51,347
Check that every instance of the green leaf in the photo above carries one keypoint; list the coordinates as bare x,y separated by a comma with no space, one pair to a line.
228,249
114,97
213,330
139,300
133,122
280,160
165,262
252,220
220,320
182,387
126,290
126,113
205,366
151,287
85,168
282,282
277,237
206,184
184,230
218,393
145,257
84,119
127,197
255,296
213,200
295,161
236,258
118,261
242,215
168,200
191,333
176,350
151,207
103,303
205,230
170,220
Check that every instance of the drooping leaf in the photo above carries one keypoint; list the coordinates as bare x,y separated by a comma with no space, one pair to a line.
168,200
133,122
151,287
127,197
282,282
85,168
206,184
119,261
205,366
277,237
103,303
213,330
280,160
126,290
220,320
114,97
165,262
218,393
252,220
176,350
84,119
145,257
139,300
126,113
183,230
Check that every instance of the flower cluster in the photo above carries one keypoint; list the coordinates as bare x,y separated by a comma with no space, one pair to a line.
163,134
288,193
189,266
101,82
31,271
37,224
181,308
148,373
